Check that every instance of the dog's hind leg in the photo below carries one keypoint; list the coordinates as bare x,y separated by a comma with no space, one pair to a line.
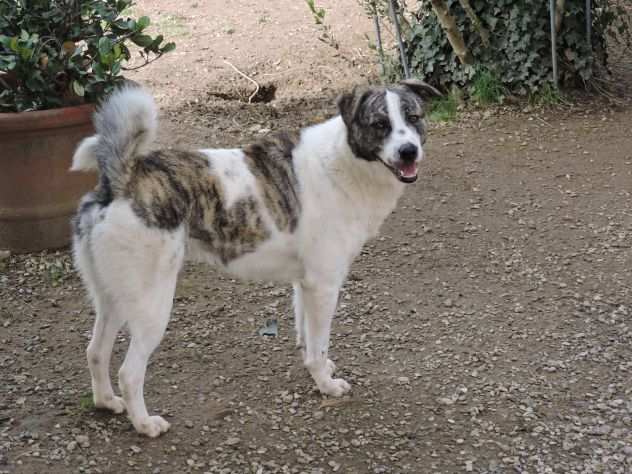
146,328
148,313
106,326
319,304
134,269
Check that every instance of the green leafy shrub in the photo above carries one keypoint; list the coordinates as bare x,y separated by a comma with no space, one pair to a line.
55,53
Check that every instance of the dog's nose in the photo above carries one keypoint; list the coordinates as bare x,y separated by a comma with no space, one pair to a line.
408,152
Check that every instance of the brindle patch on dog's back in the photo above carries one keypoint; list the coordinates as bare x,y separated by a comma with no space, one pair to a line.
171,188
163,184
227,233
270,161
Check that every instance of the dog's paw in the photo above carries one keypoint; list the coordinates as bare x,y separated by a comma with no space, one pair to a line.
334,387
114,404
152,426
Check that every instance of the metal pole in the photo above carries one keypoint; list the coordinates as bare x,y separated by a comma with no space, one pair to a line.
378,35
589,25
398,34
554,43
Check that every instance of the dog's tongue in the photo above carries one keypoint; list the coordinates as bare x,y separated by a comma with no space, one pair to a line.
408,170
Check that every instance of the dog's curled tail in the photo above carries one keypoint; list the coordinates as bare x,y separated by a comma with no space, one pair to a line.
126,125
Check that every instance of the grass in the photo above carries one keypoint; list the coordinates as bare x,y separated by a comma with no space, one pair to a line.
547,95
444,109
86,402
487,89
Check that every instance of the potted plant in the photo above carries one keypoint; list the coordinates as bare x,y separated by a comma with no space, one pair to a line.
58,58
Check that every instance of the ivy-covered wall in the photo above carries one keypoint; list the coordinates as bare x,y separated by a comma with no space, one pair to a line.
519,49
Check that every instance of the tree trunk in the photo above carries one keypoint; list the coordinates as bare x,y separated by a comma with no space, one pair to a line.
559,14
454,35
484,34
400,8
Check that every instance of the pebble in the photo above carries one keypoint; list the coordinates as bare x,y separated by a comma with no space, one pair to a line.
83,441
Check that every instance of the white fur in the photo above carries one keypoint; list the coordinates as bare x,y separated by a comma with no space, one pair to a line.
402,132
126,125
130,113
131,269
150,260
237,180
85,158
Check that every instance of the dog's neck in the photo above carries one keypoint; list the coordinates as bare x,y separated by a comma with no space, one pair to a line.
368,184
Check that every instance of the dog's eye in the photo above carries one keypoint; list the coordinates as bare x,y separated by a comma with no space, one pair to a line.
381,124
412,118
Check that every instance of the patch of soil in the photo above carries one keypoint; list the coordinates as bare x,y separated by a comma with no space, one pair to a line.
273,43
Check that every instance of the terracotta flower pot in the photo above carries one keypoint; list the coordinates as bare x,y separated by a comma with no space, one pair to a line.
38,195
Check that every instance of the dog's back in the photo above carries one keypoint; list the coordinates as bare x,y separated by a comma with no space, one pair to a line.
228,201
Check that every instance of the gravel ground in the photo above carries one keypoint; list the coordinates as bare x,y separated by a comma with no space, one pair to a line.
488,329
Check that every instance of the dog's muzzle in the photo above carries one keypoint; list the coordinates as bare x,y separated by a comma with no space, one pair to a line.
405,168
405,172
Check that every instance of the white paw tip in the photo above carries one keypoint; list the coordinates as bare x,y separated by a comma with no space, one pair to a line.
115,404
336,387
153,426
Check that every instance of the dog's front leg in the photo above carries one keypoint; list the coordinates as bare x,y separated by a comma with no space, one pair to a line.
299,316
319,305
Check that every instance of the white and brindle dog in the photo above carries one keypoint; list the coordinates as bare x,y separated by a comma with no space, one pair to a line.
290,208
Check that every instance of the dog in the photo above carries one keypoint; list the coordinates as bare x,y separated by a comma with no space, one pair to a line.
294,208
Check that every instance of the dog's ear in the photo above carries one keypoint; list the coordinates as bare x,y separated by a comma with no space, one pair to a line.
345,107
421,88
349,104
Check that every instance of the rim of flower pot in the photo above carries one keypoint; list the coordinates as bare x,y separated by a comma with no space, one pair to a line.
46,119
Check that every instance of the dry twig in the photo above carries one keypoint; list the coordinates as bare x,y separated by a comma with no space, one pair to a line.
254,94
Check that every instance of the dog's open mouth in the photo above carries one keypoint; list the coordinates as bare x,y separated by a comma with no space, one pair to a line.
405,172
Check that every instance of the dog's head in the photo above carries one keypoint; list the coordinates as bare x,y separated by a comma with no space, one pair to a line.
386,124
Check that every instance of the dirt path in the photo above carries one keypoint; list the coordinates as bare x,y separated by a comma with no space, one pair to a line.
273,42
488,329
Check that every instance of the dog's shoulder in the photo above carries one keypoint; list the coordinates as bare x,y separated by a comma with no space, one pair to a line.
271,161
